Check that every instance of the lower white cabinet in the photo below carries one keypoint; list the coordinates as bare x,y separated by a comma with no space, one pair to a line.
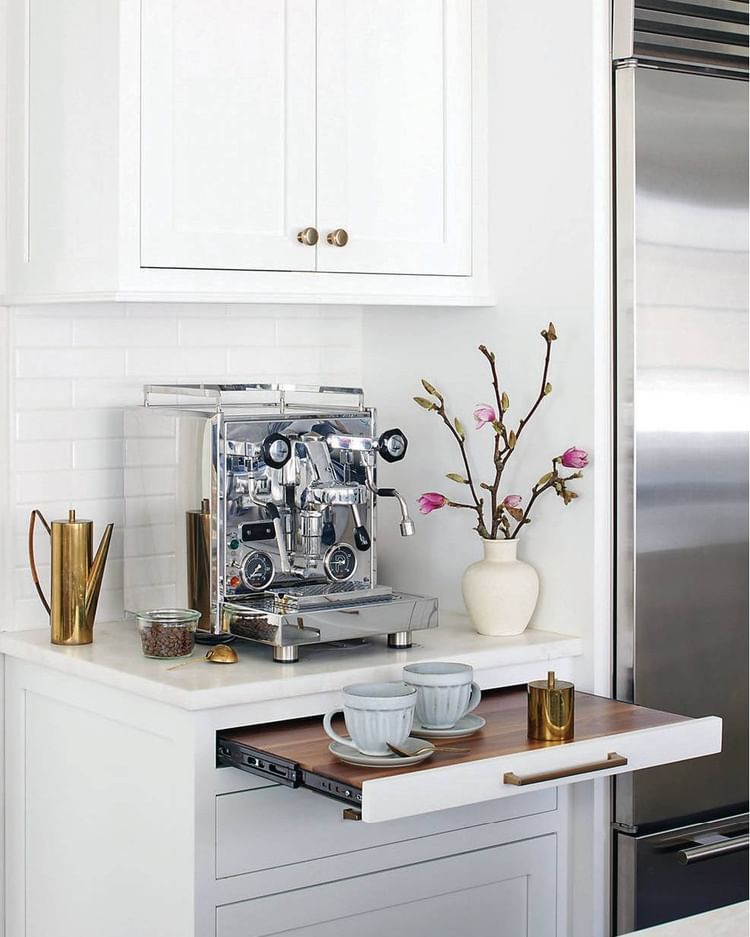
259,829
120,820
505,891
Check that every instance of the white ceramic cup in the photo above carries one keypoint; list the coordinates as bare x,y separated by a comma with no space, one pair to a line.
446,692
375,714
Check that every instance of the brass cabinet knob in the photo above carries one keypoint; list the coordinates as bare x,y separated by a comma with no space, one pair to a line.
338,238
308,236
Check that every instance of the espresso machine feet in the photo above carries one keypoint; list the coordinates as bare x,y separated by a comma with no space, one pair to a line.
286,654
399,639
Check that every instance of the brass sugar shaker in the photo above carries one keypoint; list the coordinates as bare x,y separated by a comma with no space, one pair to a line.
550,709
75,580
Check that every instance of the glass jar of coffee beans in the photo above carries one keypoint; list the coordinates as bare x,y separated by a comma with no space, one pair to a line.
168,632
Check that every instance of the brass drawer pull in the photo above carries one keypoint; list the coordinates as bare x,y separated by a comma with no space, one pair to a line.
613,760
308,236
338,238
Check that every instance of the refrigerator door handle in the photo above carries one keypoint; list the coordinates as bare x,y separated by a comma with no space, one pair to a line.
709,851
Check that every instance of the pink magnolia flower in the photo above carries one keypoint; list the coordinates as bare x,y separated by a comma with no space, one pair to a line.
575,458
484,414
512,501
431,501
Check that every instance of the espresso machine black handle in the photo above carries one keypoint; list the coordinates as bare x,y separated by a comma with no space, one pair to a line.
361,536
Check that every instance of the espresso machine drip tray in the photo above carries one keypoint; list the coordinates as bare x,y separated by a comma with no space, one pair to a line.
298,617
330,593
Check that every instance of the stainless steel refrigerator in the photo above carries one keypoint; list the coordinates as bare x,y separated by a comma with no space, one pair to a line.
681,629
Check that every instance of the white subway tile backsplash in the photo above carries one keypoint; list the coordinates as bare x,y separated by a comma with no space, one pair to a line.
30,484
157,481
149,541
150,452
43,332
153,364
38,394
216,332
142,332
76,368
316,332
98,453
174,310
44,456
70,362
103,392
69,424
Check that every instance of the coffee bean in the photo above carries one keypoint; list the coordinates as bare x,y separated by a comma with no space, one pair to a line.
167,640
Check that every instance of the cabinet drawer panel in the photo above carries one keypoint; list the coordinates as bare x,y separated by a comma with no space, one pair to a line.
227,134
505,891
611,737
394,135
261,829
407,795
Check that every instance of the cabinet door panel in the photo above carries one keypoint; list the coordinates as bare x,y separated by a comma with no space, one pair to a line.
505,891
227,133
394,135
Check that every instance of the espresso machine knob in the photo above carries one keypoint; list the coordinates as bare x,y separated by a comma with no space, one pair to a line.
392,445
277,450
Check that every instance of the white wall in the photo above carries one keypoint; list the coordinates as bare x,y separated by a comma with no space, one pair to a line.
549,256
549,211
72,369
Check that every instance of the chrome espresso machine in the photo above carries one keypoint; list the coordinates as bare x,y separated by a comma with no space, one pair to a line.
256,504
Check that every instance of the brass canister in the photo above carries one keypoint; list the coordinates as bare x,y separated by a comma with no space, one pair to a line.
198,533
76,578
550,709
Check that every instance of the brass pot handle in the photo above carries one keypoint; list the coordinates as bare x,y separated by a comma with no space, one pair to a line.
338,238
32,561
308,236
613,760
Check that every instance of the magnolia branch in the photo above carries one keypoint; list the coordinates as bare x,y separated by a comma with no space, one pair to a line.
478,503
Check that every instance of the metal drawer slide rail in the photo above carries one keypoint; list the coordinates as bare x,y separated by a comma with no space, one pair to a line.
274,768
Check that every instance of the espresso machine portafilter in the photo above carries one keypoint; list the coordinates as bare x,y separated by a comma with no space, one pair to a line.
280,498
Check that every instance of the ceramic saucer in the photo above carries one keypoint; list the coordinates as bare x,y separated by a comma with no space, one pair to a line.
465,726
352,757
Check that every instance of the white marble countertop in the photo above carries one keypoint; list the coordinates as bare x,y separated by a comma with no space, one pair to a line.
115,659
732,921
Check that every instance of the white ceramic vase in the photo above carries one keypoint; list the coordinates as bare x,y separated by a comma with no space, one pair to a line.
500,591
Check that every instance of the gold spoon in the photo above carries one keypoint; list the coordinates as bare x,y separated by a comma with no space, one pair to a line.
219,654
409,753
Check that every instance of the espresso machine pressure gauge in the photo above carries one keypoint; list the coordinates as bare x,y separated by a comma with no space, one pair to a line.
340,562
257,570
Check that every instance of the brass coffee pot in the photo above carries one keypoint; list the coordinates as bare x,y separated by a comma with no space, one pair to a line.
76,579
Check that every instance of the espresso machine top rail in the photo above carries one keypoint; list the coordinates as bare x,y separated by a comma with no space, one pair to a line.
263,396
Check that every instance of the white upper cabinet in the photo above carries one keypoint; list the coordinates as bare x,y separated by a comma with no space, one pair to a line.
330,151
227,133
394,135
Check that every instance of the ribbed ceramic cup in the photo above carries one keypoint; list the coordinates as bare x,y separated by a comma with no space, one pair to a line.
445,692
375,714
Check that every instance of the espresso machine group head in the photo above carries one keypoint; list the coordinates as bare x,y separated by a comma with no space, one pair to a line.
278,485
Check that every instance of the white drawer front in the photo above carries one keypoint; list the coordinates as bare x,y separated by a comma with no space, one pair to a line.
274,826
440,788
505,891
